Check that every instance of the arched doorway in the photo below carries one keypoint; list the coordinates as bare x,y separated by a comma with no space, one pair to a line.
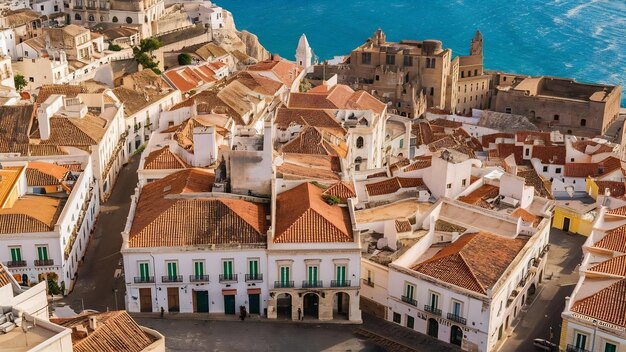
433,328
283,306
532,289
341,306
311,305
456,335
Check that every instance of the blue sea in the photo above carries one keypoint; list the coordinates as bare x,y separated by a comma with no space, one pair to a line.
582,39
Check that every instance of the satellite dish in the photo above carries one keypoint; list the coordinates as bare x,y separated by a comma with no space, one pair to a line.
570,191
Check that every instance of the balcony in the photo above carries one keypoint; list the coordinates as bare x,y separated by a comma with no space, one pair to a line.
432,310
16,263
44,262
228,277
144,279
312,284
572,348
254,277
198,278
368,282
283,284
340,283
409,300
171,278
457,318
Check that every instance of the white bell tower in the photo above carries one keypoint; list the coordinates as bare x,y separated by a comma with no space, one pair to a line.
304,54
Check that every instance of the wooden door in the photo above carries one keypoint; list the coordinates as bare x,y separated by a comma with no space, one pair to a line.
145,299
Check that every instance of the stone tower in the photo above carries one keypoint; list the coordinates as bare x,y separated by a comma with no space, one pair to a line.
378,38
304,54
476,48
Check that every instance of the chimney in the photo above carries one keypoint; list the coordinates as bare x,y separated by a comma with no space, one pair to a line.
93,323
45,111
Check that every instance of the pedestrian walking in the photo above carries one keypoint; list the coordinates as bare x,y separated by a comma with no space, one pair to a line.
241,312
299,314
162,312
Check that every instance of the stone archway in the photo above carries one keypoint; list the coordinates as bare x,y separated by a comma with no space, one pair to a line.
341,306
433,328
283,306
311,304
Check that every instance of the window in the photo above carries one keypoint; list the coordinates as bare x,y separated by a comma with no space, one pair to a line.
557,170
366,58
390,59
449,186
370,278
408,60
359,142
129,20
253,267
410,321
545,169
397,318
31,79
462,74
91,18
433,300
340,274
432,91
402,143
377,78
583,122
77,17
527,151
556,117
610,347
475,72
16,254
172,270
42,252
508,110
504,79
580,341
409,290
114,19
198,268
144,271
227,266
41,8
312,274
457,308
463,182
432,63
284,274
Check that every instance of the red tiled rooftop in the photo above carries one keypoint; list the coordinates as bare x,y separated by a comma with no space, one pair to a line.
607,305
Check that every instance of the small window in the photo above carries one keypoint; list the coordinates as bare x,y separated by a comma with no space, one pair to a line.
583,122
390,59
408,60
464,182
366,58
432,63
77,17
129,20
114,19
557,170
504,78
527,152
377,77
449,186
572,159
432,91
31,79
359,142
545,169
556,117
91,18
397,318
475,72
508,110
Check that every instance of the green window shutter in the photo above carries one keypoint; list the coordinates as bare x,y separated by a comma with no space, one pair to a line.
253,267
313,274
341,273
144,272
284,274
228,268
410,291
199,268
42,253
171,269
16,254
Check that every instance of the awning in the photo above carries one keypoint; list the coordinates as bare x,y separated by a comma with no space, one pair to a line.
254,291
229,292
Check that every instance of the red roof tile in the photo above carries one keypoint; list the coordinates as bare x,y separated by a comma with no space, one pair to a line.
554,154
392,185
343,190
614,240
613,266
605,166
607,305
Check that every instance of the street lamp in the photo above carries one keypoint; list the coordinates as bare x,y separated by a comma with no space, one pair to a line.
115,294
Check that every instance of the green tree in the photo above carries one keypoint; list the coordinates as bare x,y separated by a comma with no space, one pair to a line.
114,47
184,59
53,286
148,45
20,81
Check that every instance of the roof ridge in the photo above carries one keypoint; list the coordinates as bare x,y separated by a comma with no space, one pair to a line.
226,204
469,268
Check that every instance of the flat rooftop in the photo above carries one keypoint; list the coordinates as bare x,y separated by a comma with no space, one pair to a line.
18,341
403,209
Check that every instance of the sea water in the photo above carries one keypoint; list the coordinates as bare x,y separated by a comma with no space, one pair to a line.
581,39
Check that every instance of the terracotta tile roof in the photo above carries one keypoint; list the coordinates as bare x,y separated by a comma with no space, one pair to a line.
474,261
338,97
307,117
302,216
614,240
423,133
377,174
591,147
491,138
399,164
70,91
9,177
5,277
190,77
528,137
613,266
183,133
607,305
479,196
46,150
392,185
532,178
403,225
164,159
65,131
421,162
162,221
342,189
30,214
444,226
446,123
313,140
605,166
554,154
616,188
15,122
115,332
526,216
285,71
316,167
621,211
502,151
